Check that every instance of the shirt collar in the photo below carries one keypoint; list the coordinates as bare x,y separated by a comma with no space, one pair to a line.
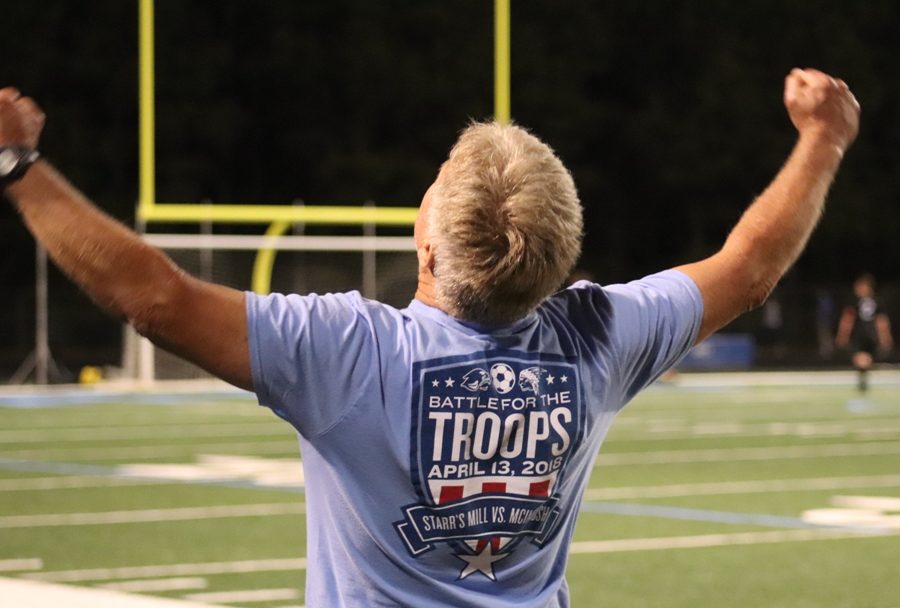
419,307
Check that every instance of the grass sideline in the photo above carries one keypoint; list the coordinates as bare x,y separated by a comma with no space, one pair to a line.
698,498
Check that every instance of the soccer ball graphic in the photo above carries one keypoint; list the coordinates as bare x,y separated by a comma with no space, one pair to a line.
503,377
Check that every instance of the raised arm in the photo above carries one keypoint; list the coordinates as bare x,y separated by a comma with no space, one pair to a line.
775,228
202,322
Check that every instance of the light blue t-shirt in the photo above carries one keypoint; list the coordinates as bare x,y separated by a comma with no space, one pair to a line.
445,462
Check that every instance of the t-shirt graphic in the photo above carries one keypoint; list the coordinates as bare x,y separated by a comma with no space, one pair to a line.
491,436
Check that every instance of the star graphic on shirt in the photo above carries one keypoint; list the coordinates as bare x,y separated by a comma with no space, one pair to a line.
449,382
550,378
563,379
481,562
435,383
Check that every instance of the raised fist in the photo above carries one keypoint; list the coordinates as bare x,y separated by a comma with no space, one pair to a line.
21,120
821,105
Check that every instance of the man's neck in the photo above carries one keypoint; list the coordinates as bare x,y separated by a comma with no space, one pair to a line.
425,291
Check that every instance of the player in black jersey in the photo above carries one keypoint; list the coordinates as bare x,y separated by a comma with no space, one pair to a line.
864,329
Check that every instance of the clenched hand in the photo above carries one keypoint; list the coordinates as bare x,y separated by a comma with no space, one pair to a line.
820,105
21,120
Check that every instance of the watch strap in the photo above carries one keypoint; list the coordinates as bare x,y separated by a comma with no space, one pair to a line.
14,163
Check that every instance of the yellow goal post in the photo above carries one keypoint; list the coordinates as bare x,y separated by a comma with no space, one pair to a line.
149,210
279,218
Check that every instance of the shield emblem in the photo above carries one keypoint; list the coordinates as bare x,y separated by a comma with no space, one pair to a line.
491,439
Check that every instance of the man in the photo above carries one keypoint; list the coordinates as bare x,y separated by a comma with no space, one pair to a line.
446,446
864,329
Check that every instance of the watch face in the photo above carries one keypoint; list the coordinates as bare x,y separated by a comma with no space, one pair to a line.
8,161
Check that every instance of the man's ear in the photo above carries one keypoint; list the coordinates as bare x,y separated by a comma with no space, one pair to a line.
425,255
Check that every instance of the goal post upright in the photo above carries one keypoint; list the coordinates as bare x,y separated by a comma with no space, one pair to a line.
147,110
502,60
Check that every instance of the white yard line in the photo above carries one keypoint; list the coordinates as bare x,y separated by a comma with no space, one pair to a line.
22,564
814,379
20,593
218,467
155,585
65,482
758,453
196,569
249,596
208,468
888,504
743,487
740,430
151,452
150,515
608,459
709,540
181,431
583,547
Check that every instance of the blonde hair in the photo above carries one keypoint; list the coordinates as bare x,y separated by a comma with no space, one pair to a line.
505,224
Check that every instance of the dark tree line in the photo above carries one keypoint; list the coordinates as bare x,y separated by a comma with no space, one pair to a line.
669,114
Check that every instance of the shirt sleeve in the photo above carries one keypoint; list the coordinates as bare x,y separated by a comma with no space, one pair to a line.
311,356
655,322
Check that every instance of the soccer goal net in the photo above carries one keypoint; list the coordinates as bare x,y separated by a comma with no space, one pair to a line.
380,267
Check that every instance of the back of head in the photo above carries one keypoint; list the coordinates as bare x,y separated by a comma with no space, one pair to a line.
505,224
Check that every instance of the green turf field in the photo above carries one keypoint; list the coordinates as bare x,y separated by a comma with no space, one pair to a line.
701,498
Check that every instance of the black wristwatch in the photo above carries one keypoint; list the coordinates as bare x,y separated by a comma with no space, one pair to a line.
14,163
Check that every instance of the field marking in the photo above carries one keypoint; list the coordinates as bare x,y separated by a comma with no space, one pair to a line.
152,452
743,487
786,379
150,515
194,569
178,431
209,469
711,540
741,430
87,422
287,481
677,428
756,453
22,564
860,518
861,511
608,459
158,584
581,547
719,517
64,482
33,594
31,397
249,596
285,473
277,472
875,503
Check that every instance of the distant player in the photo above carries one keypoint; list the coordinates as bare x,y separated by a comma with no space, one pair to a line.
447,446
864,329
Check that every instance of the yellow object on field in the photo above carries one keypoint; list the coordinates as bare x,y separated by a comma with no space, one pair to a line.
90,375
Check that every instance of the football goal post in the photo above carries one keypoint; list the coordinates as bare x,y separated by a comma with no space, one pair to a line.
305,248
